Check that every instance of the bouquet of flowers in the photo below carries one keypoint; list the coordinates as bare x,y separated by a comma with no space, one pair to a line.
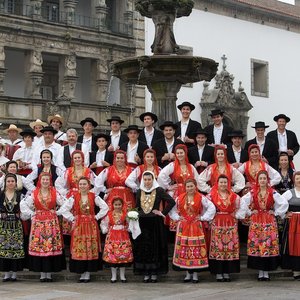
132,215
133,223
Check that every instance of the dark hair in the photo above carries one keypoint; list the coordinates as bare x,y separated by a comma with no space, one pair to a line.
10,163
283,153
191,180
148,174
9,175
117,199
46,151
295,174
222,176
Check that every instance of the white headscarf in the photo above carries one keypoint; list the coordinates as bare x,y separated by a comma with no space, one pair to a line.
154,185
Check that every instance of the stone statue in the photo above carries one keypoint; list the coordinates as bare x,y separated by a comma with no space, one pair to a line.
36,61
70,65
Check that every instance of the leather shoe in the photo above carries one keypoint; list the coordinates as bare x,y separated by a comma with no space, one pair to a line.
49,280
266,278
227,280
6,279
124,280
220,280
113,281
81,280
297,277
87,280
187,280
154,280
13,279
195,281
146,280
43,279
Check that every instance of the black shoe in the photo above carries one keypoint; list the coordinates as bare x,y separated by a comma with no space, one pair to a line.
146,280
43,279
153,280
13,279
195,281
266,278
297,277
124,280
49,280
87,280
187,280
5,279
220,280
113,281
81,280
227,280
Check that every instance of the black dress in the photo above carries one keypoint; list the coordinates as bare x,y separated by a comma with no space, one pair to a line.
12,253
151,246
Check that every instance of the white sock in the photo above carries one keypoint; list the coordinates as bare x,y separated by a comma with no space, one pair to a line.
195,276
146,277
43,275
6,275
48,275
87,275
154,277
219,276
296,273
13,275
260,274
226,275
113,273
188,276
266,274
122,273
82,277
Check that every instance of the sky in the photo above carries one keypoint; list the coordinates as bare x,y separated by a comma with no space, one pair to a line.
288,1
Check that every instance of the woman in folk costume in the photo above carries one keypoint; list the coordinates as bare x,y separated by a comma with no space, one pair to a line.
117,251
209,177
151,246
190,252
68,184
290,247
224,251
263,203
85,246
45,241
173,176
112,181
12,252
255,164
150,164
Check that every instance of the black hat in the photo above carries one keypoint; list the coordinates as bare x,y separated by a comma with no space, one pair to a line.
132,127
49,128
152,115
281,116
88,119
260,124
201,131
215,112
190,105
168,124
236,133
115,118
103,135
28,131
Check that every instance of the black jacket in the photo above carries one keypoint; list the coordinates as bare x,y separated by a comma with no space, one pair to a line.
231,158
192,127
224,138
94,145
156,136
140,149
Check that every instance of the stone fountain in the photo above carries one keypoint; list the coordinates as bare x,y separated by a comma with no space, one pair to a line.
164,72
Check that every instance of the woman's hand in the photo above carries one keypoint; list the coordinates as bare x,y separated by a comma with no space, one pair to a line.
288,215
158,213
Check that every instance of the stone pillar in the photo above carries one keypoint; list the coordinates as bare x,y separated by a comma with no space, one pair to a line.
70,78
36,8
102,68
69,9
2,69
128,16
2,7
101,14
34,74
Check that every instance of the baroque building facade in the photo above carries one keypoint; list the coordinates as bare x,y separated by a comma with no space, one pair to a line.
55,57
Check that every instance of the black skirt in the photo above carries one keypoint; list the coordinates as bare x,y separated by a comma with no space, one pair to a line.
81,266
47,264
263,263
224,266
151,247
14,265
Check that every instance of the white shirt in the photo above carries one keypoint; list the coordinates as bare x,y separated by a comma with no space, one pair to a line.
100,157
184,126
18,142
200,151
115,138
149,136
170,146
61,136
55,148
87,142
218,134
25,154
261,145
131,152
282,140
237,154
37,141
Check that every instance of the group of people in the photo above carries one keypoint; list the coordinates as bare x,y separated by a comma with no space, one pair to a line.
121,198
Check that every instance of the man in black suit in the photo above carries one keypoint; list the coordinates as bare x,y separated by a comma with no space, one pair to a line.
117,137
134,148
165,147
101,158
218,132
88,138
285,140
201,155
186,126
236,155
268,148
149,134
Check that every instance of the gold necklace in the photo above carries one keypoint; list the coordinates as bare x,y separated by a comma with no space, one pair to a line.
147,201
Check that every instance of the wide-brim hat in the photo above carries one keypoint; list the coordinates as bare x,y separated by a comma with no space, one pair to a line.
202,131
152,115
236,133
132,127
91,120
216,112
260,124
103,135
281,116
28,131
12,127
49,128
37,122
115,118
168,124
57,117
186,103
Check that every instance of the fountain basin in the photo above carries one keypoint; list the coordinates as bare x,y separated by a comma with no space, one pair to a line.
145,70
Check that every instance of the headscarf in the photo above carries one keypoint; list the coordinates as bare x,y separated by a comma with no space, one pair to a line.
118,152
154,185
254,146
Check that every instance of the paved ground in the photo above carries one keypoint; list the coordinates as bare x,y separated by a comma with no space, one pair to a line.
279,288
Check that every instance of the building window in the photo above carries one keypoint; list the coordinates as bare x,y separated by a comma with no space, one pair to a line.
13,6
259,78
50,11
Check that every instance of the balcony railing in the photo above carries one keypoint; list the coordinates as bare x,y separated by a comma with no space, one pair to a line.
54,15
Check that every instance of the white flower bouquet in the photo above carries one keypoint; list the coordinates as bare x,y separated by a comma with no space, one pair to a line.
133,215
133,223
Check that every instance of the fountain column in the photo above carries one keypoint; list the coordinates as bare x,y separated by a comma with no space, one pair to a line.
69,8
2,69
